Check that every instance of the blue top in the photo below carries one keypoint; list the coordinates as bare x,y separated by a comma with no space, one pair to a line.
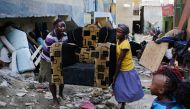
166,105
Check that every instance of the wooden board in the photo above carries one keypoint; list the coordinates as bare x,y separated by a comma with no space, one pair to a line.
153,55
36,52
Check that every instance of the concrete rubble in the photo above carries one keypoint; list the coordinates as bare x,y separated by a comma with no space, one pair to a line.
23,92
19,92
3,104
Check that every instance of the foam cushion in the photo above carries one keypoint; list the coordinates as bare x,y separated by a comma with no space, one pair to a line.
24,62
16,37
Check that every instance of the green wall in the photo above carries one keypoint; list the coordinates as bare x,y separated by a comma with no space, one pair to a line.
167,23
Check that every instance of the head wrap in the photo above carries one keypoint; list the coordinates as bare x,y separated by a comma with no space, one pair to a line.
124,28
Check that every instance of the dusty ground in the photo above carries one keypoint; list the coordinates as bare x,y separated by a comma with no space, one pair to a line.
17,92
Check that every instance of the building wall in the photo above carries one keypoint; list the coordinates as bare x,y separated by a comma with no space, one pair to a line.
30,8
78,10
167,23
136,6
124,14
150,3
152,14
41,8
28,24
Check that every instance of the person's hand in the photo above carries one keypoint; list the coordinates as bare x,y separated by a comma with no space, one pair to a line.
176,31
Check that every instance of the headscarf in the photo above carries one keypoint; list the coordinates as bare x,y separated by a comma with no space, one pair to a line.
124,28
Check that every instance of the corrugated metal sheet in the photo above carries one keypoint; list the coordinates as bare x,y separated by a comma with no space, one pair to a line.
32,8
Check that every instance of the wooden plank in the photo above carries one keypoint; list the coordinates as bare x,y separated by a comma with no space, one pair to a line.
37,61
36,52
153,55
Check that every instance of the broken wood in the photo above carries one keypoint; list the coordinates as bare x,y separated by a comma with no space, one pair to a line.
36,52
36,56
153,55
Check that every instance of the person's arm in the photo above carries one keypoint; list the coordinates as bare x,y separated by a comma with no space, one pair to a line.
185,15
120,59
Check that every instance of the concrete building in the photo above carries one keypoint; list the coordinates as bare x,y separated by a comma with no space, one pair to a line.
127,11
26,13
105,11
152,14
124,12
165,2
75,12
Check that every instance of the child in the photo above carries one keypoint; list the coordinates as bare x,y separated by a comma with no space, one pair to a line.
164,83
127,86
56,35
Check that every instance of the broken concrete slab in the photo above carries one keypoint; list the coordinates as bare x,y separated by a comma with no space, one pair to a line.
69,105
29,104
63,107
3,104
21,94
4,83
48,96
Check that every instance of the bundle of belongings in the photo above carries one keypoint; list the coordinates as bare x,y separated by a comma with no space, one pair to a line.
181,48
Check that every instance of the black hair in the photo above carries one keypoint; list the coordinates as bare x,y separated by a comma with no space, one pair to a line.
57,21
182,94
174,78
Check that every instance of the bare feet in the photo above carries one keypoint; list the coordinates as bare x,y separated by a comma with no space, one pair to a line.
56,101
61,95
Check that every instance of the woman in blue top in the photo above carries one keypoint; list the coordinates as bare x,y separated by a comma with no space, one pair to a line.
164,83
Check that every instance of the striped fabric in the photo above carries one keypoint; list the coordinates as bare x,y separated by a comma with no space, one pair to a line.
50,39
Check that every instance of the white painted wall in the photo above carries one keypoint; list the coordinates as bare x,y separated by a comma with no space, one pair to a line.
152,14
124,15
